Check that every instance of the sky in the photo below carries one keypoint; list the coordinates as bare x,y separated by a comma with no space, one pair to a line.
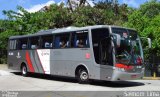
34,5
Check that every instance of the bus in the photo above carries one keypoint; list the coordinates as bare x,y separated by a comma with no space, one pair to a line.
99,52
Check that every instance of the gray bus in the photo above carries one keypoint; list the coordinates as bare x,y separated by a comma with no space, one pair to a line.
101,52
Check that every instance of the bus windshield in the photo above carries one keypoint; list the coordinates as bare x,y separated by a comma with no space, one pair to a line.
129,51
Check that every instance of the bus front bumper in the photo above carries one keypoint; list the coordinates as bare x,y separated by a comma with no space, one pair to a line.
123,75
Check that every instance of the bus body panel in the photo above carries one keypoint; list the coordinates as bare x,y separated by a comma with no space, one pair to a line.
43,60
12,60
106,72
29,57
65,62
38,59
70,60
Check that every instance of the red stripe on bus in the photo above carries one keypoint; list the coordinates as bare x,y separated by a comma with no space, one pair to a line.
29,62
40,61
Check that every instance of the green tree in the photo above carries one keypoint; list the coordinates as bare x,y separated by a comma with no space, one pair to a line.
146,20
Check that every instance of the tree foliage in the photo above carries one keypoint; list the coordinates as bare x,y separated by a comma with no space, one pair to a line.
146,20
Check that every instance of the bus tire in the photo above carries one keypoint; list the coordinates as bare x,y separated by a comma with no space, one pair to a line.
83,76
24,71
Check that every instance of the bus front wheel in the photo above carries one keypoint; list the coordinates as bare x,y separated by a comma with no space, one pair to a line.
24,70
83,76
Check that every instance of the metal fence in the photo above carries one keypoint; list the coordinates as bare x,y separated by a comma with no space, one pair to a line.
152,66
3,56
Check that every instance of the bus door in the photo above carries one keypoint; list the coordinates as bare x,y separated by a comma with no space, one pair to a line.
103,51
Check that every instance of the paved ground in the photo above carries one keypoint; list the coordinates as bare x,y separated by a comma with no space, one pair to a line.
14,81
10,81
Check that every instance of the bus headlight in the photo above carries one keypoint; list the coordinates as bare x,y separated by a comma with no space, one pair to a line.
121,69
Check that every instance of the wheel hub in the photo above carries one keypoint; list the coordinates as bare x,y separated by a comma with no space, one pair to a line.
84,75
24,70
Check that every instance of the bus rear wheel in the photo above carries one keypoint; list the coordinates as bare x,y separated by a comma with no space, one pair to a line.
24,71
83,76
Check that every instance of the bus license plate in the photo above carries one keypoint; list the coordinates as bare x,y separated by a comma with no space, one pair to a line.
139,66
133,76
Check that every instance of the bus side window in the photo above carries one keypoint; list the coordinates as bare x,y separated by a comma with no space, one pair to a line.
13,44
87,42
24,46
62,41
23,43
57,42
47,45
47,41
81,40
74,40
34,43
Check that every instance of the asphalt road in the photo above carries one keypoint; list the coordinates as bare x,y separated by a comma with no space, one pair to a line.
67,87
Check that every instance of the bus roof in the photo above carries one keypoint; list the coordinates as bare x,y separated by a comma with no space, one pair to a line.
64,30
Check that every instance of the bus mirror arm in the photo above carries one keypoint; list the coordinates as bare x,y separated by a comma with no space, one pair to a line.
149,41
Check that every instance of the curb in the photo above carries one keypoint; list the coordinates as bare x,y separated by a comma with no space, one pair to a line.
3,67
151,78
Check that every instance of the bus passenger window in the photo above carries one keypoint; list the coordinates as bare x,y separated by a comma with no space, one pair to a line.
34,46
80,43
56,42
47,45
80,39
34,42
62,41
24,46
13,44
47,41
63,44
23,43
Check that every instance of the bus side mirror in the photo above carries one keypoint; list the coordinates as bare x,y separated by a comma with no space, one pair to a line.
146,43
149,42
116,39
